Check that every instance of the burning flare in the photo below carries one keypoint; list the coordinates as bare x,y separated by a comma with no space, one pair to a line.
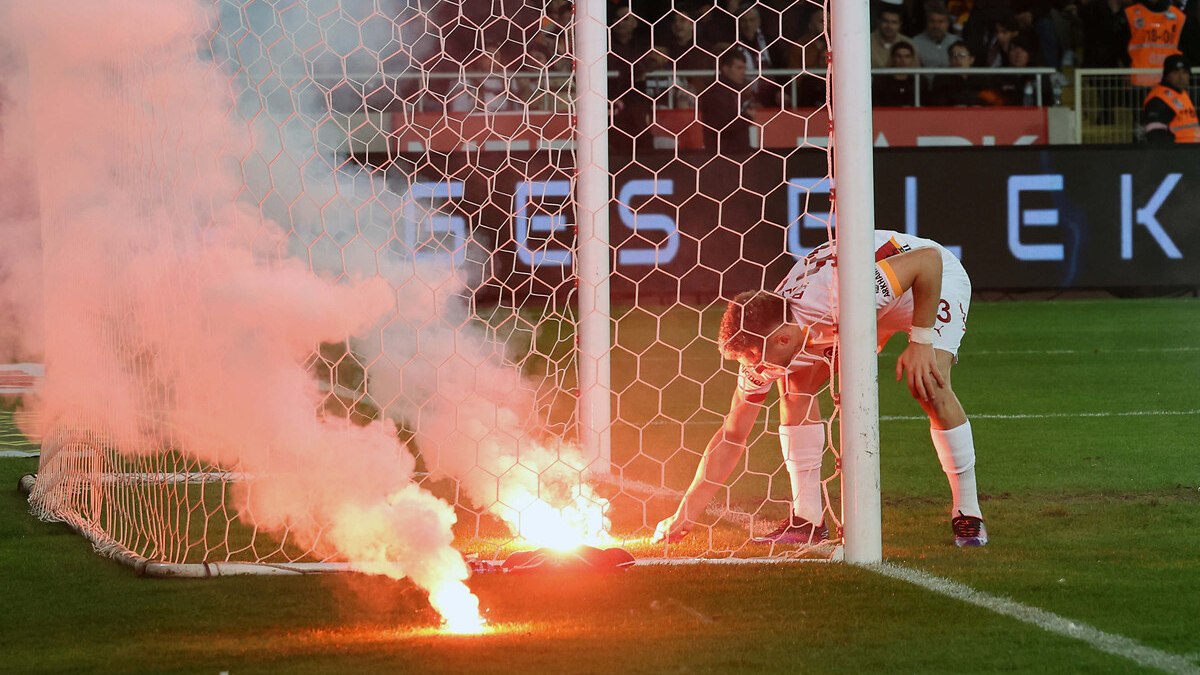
581,520
370,535
459,607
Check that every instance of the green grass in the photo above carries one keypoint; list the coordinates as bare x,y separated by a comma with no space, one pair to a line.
1096,518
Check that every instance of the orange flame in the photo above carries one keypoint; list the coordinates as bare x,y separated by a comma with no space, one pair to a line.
368,535
459,607
583,520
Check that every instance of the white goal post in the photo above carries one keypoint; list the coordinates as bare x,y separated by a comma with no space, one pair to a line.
855,208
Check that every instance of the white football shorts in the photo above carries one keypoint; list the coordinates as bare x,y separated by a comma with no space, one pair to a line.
951,322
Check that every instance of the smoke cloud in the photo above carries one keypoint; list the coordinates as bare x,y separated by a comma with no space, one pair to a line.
430,365
173,317
202,230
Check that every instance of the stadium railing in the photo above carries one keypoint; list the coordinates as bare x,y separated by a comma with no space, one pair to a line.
497,91
666,80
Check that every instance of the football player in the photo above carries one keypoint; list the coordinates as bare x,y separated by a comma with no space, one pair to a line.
786,337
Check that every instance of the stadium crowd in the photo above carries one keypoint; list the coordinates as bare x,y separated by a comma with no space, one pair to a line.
772,53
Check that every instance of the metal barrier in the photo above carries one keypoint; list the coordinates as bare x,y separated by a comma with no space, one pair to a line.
553,90
1108,106
1047,89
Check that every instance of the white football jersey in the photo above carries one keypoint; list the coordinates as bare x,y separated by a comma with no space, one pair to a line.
811,291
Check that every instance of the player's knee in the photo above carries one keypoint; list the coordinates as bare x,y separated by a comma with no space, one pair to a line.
798,408
941,399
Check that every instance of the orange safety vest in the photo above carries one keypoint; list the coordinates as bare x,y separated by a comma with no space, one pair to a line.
1153,36
1184,125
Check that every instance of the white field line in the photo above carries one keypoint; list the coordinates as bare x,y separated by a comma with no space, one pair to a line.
1039,416
1135,350
1109,643
975,416
967,353
882,418
835,555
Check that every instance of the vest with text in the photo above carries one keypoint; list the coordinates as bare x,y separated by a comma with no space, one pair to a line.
1184,125
1153,36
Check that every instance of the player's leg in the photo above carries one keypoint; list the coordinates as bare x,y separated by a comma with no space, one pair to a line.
953,440
955,445
802,439
944,409
948,424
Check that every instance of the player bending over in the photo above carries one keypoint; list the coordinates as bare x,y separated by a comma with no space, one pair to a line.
786,336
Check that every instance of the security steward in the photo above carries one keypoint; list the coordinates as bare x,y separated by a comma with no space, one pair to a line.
1150,30
1168,114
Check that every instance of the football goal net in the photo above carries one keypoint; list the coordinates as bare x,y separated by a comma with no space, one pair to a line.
366,284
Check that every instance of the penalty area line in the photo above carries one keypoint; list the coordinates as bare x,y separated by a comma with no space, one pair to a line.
1039,416
659,421
1109,643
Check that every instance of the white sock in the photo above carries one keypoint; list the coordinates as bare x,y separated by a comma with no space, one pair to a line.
956,451
803,447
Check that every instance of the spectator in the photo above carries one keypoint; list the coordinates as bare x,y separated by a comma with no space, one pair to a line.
913,13
933,45
557,16
899,90
960,13
725,110
629,57
683,54
887,36
1009,48
811,52
678,43
719,25
1070,30
1189,40
628,41
753,45
550,52
958,90
793,17
1168,114
984,15
1004,32
1035,23
770,16
1150,31
1102,47
810,46
1019,90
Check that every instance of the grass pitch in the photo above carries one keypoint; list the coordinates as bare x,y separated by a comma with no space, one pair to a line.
1085,415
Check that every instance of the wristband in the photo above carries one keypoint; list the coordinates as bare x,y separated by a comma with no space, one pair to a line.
921,336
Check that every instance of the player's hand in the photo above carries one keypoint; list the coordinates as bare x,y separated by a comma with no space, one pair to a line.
919,363
671,530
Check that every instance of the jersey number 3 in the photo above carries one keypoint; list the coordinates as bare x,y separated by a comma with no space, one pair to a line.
944,311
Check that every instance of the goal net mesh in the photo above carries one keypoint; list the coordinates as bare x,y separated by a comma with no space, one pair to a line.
320,257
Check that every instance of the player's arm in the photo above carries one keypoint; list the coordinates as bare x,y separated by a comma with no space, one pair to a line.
921,271
724,451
